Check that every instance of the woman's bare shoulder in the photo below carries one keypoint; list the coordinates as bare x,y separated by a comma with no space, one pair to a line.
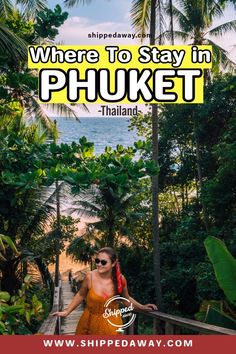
89,276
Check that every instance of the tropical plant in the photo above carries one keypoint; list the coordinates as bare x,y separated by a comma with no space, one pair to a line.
83,248
6,241
110,196
45,244
195,20
224,266
26,170
11,43
19,89
17,312
143,15
221,313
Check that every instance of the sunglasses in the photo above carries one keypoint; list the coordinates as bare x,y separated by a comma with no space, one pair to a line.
102,261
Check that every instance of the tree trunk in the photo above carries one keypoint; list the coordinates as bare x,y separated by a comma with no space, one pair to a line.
155,179
171,22
58,234
186,194
199,173
58,209
111,235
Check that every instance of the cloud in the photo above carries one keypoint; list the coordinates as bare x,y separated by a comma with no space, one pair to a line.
76,31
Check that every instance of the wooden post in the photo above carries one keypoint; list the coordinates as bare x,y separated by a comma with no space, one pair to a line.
157,326
169,328
131,329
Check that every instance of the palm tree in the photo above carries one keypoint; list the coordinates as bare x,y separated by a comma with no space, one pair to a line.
195,19
10,43
81,249
19,84
143,15
109,206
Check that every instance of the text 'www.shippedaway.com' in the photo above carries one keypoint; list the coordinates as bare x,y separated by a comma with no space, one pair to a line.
123,343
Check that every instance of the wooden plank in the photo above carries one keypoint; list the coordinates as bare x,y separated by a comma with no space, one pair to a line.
49,326
69,323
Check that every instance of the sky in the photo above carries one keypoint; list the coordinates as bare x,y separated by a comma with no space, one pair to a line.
112,16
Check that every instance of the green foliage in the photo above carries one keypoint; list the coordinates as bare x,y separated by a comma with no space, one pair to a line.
47,22
133,261
187,278
45,244
5,242
19,84
224,266
217,314
115,174
22,28
81,249
16,312
219,318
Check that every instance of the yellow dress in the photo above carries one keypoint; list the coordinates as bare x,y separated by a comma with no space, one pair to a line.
92,320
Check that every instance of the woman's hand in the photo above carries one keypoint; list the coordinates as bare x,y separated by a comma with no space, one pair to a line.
149,307
63,313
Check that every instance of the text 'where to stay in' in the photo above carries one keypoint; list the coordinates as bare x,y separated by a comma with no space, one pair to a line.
124,74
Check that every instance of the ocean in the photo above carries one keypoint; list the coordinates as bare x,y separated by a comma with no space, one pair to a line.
102,131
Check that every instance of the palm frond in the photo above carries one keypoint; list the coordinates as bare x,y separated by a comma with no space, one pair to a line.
35,133
222,29
182,19
67,110
86,207
80,249
177,34
72,3
220,57
40,211
32,6
35,111
11,44
216,10
83,107
41,207
140,16
5,8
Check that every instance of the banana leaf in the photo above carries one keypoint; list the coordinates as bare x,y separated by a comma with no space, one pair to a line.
224,266
204,307
218,318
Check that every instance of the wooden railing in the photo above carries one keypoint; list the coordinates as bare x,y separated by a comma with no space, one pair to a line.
52,324
163,323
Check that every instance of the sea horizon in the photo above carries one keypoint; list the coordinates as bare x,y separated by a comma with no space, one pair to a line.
102,131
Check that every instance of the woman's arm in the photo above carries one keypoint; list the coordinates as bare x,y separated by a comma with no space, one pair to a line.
78,298
137,306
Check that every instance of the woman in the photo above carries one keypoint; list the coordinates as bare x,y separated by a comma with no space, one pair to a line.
99,286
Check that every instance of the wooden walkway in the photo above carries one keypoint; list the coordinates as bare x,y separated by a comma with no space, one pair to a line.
69,323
